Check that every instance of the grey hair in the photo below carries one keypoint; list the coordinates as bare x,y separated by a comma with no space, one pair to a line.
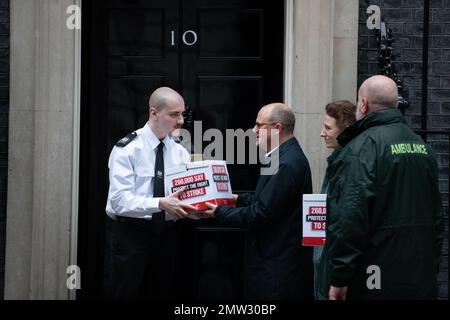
283,114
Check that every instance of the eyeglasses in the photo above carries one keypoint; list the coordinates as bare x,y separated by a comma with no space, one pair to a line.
259,125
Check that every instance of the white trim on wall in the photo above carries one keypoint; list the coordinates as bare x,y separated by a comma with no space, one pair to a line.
75,152
43,98
288,50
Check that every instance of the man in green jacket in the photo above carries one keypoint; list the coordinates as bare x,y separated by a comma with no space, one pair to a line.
385,219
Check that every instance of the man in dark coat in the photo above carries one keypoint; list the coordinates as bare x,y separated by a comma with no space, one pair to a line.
384,214
276,264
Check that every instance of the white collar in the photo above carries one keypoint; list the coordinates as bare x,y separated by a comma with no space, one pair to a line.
153,139
268,154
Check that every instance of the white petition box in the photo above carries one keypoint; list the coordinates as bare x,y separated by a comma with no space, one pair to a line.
314,219
205,181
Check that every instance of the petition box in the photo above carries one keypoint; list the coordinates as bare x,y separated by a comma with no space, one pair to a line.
205,181
314,219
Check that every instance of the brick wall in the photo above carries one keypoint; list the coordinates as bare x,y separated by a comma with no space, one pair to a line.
439,107
406,19
4,107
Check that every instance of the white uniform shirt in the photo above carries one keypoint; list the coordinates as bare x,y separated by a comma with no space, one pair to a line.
131,174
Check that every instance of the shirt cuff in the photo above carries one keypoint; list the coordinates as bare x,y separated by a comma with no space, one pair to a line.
153,205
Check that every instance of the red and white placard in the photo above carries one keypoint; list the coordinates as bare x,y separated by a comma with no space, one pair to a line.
314,219
204,181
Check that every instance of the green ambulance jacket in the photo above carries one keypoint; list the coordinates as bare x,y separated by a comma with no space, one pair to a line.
383,209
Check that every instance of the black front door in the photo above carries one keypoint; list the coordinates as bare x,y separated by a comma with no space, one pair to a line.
225,58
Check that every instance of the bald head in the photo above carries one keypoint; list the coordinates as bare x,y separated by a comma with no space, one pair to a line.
281,113
161,97
380,91
377,92
166,107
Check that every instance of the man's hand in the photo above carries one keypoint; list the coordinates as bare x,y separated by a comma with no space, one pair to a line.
336,293
208,213
172,205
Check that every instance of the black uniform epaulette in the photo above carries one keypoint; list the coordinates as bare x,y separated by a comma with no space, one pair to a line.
126,140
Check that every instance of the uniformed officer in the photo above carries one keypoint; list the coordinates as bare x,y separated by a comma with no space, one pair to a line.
141,260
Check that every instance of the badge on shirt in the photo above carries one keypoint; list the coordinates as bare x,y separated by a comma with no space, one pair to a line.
159,174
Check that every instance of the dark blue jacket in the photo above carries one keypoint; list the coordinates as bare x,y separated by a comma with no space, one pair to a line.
276,264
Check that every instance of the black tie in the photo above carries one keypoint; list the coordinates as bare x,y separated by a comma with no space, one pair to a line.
158,218
158,187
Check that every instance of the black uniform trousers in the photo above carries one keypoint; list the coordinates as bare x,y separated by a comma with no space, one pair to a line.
141,263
